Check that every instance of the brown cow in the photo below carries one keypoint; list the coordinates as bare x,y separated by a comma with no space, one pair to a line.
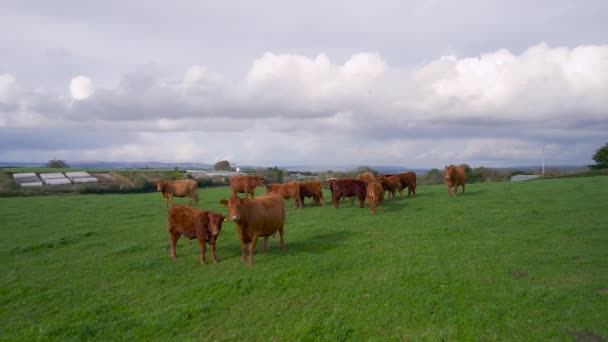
312,189
254,218
346,187
245,184
178,188
455,176
408,179
192,223
375,195
391,184
288,190
367,177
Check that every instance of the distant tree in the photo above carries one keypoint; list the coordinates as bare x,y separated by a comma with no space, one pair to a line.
433,176
57,164
222,165
176,174
276,175
601,158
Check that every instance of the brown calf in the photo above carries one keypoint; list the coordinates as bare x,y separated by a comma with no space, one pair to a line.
178,188
192,223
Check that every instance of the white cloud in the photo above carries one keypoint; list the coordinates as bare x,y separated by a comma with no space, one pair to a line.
81,87
289,107
8,85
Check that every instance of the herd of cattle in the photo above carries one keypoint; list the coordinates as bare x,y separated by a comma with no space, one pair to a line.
264,216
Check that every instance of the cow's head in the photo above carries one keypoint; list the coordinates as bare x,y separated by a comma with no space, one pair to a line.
215,225
258,181
160,185
448,175
234,204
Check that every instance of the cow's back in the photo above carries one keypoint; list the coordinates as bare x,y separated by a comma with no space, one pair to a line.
264,215
185,220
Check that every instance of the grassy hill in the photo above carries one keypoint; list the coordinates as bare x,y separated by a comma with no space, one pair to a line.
505,261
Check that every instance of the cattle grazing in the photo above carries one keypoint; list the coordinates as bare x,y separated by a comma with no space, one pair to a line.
288,190
455,176
408,179
312,189
346,187
245,184
367,177
254,218
178,188
392,184
193,223
375,195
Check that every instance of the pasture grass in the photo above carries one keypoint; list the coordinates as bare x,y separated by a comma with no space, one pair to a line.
505,261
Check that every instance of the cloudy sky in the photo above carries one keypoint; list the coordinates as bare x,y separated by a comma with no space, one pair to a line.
409,83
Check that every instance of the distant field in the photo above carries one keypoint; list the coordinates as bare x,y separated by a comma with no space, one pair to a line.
505,261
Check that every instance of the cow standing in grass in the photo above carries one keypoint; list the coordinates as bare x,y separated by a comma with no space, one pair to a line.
193,223
254,218
375,195
392,184
346,187
455,176
178,188
408,179
245,184
288,190
312,189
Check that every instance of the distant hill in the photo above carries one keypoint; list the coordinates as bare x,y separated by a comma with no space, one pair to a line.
117,165
344,168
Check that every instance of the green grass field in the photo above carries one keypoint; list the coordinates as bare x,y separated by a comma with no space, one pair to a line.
505,261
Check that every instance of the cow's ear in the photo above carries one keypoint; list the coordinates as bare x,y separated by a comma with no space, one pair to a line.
223,203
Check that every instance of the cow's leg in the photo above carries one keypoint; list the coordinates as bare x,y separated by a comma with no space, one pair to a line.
265,247
196,198
243,248
352,201
252,245
463,188
173,237
361,202
372,206
281,232
201,244
170,200
335,200
213,256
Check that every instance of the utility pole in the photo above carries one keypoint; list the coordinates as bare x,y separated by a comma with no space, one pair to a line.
543,157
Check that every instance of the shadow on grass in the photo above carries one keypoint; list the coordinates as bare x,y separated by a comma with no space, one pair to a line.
317,244
473,193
